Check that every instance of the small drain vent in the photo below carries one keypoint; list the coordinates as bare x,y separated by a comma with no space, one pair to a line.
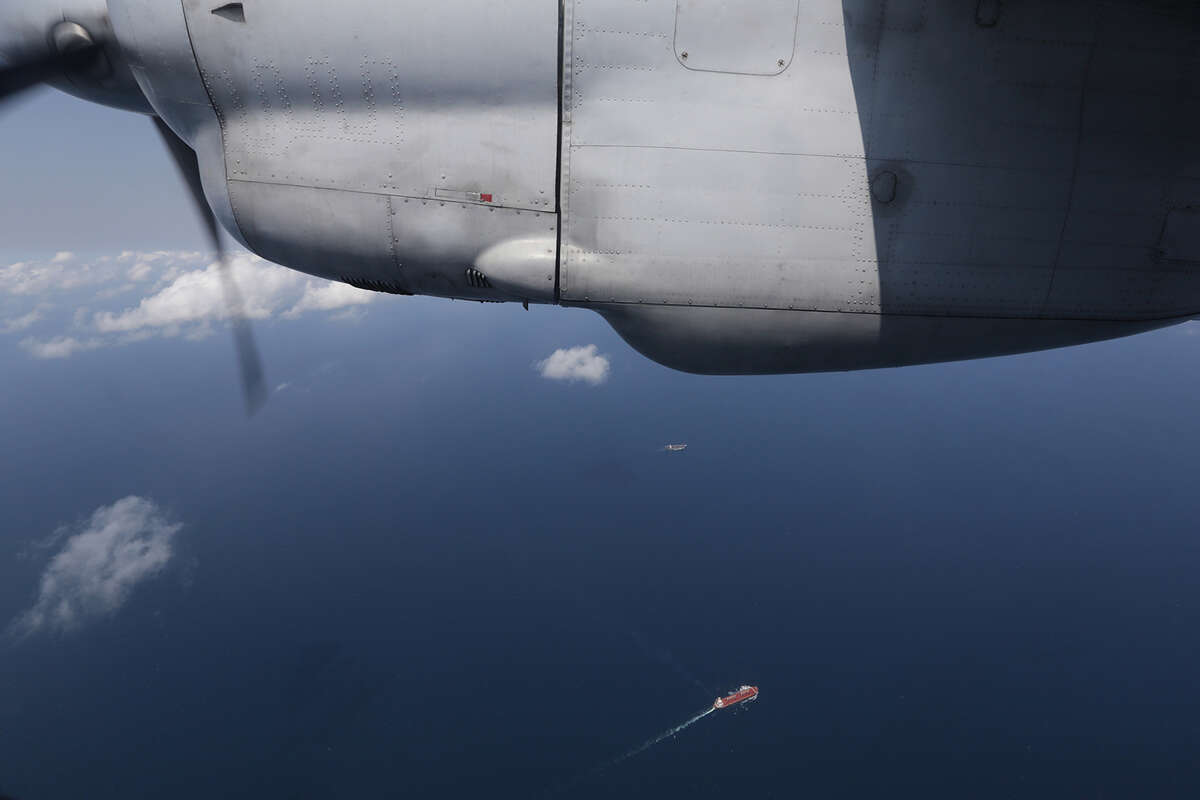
477,280
389,287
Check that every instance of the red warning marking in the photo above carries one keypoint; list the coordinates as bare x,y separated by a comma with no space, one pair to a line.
487,198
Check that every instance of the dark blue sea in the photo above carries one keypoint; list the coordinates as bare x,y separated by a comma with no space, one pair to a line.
423,571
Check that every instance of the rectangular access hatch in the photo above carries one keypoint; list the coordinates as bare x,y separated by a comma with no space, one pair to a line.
747,37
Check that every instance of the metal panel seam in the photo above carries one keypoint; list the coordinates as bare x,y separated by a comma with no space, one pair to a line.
558,158
406,197
220,119
1180,316
1081,121
391,226
562,262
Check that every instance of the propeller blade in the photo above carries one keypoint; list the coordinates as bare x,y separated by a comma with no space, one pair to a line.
249,363
16,78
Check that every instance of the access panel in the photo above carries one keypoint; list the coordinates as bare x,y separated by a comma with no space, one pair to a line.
454,100
749,37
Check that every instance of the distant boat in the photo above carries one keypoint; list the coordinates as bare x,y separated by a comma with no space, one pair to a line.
675,448
740,695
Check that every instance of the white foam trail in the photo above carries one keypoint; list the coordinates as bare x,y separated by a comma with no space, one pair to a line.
664,735
641,748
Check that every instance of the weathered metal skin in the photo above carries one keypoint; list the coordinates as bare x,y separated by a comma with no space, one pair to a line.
743,341
958,173
154,39
1045,157
379,143
790,185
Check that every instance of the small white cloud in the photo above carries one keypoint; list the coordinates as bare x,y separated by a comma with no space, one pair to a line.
64,271
96,570
197,297
178,293
36,277
194,297
58,347
140,271
20,323
581,363
328,297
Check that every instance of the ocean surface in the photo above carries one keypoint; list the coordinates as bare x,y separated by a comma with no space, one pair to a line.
424,571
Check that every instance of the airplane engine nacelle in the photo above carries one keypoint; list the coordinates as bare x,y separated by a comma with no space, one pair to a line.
34,29
395,151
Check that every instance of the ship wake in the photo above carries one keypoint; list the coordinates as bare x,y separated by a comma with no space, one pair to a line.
646,745
641,748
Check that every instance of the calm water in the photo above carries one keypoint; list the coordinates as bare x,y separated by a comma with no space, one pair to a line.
423,571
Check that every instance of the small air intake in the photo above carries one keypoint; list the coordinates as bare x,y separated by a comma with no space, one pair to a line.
231,11
477,280
372,285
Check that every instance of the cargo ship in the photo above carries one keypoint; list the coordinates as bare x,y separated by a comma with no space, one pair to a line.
742,694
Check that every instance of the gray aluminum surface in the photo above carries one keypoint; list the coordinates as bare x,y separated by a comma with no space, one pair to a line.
751,186
1026,170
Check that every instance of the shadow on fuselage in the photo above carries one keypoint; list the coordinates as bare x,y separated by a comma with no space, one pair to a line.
1020,179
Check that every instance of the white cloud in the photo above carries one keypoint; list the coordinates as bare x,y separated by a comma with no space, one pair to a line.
328,297
96,570
181,294
140,271
581,363
37,277
20,323
58,347
197,297
64,271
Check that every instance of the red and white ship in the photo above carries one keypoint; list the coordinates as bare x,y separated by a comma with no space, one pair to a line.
742,694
